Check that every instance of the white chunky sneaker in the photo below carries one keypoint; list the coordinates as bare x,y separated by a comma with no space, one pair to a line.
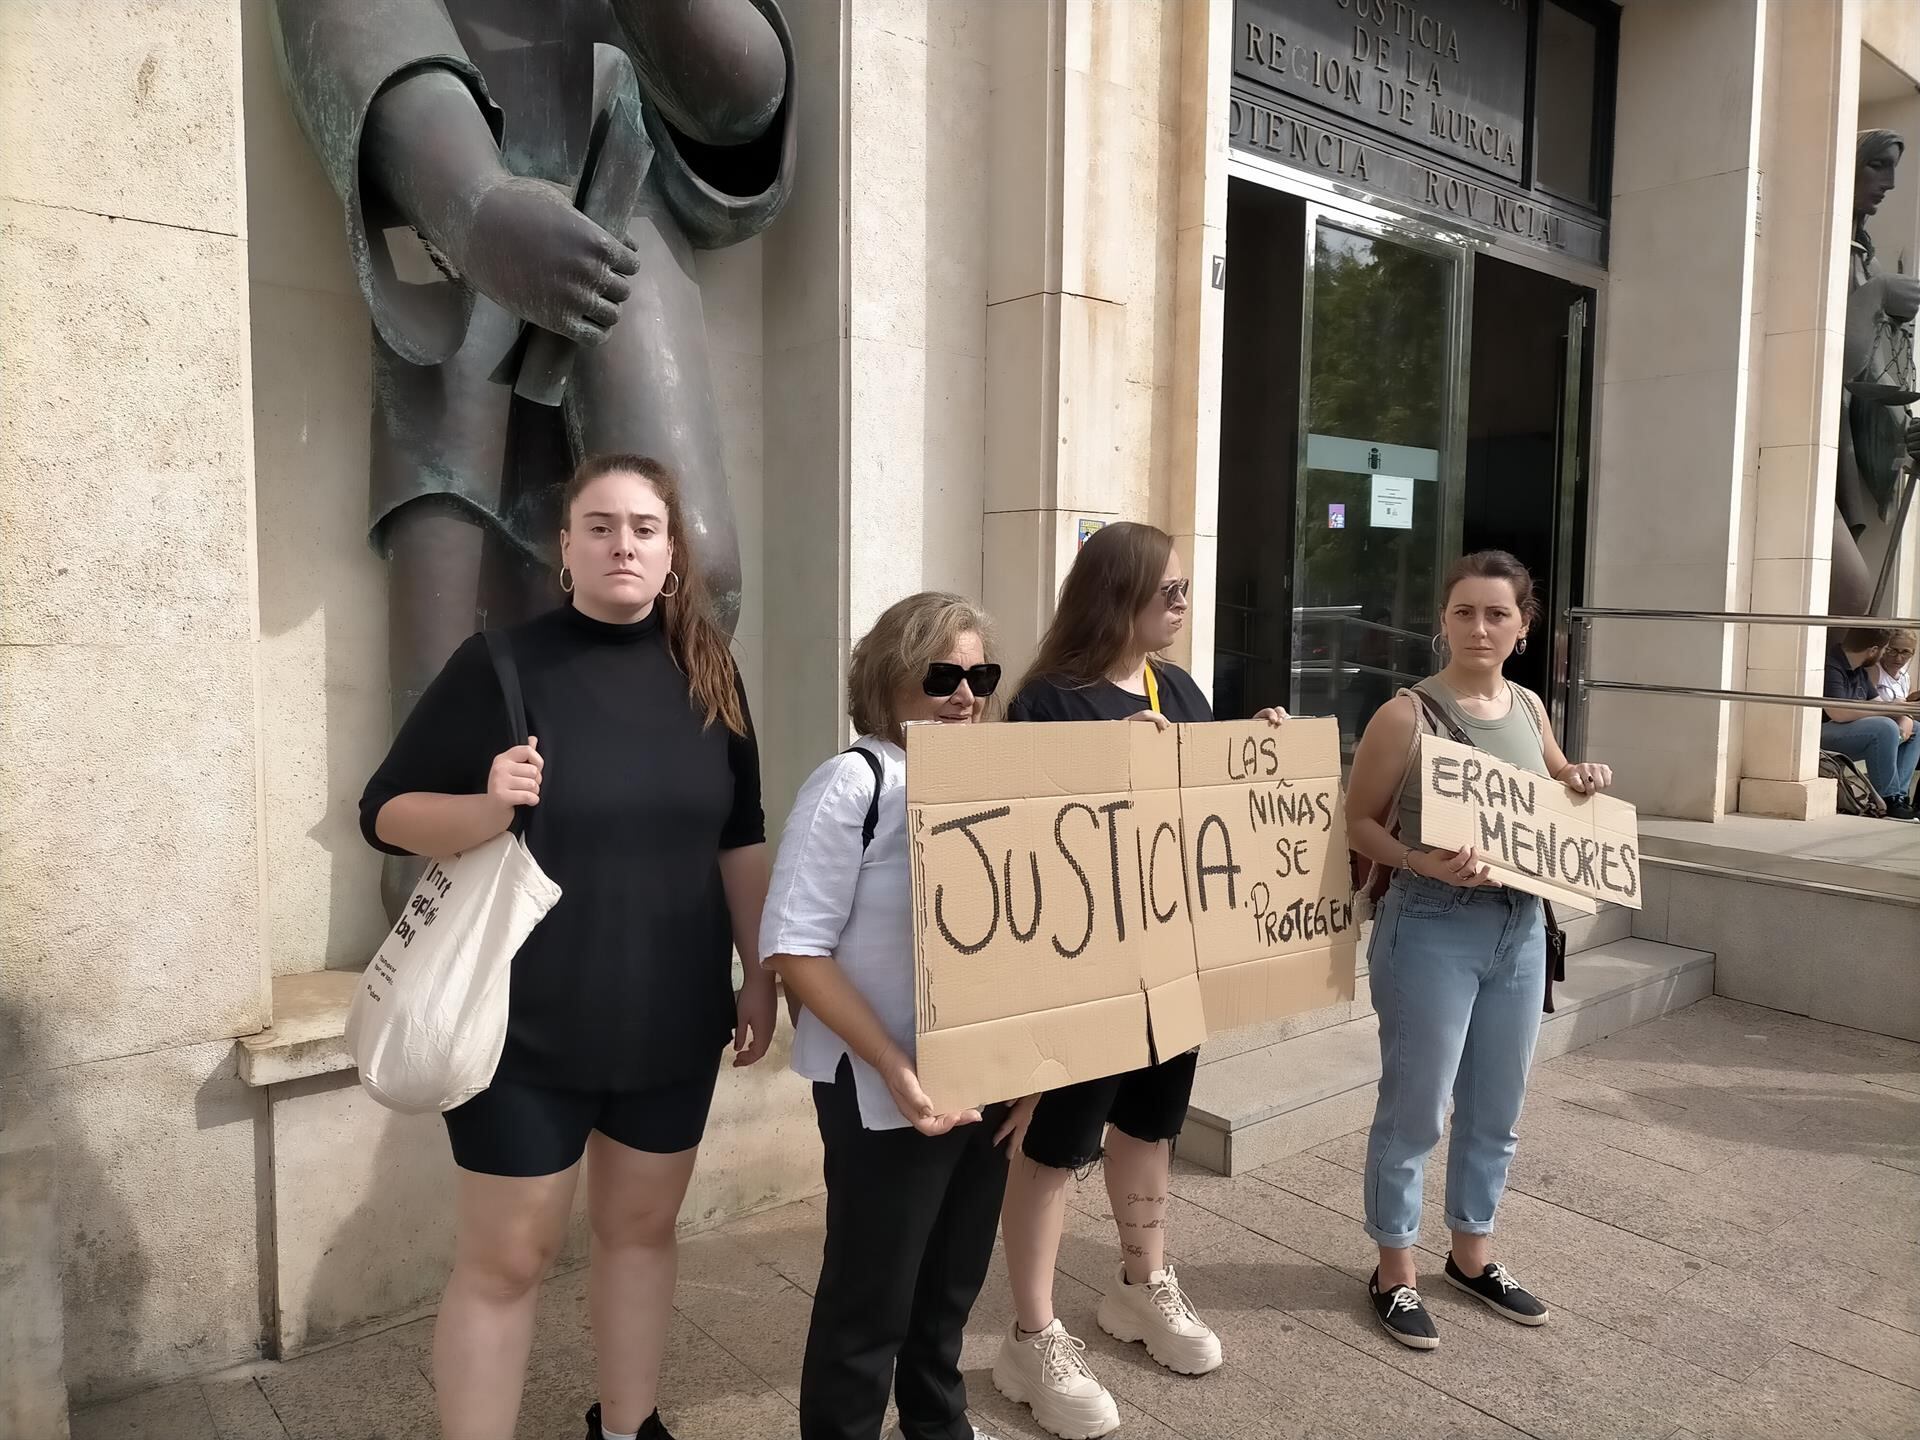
1160,1314
1049,1375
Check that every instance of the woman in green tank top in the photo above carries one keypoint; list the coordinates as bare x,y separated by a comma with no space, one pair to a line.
1458,961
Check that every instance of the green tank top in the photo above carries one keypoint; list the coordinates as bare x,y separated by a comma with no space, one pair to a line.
1514,738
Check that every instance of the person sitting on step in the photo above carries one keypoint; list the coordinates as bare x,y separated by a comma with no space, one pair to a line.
1888,746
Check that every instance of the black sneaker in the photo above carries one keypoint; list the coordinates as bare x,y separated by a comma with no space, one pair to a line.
1899,808
1402,1315
651,1430
1498,1291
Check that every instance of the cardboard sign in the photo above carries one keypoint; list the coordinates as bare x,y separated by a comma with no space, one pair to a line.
1531,832
1090,897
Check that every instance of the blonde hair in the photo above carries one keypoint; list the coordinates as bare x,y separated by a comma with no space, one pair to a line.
909,636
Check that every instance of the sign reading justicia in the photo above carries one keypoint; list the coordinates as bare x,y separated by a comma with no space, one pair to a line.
1421,101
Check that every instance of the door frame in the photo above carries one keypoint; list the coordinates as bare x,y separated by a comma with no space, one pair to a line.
1348,204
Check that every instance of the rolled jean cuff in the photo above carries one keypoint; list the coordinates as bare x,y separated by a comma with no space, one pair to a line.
1392,1240
1469,1227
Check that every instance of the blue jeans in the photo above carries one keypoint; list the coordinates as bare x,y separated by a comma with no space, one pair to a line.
1458,978
1874,740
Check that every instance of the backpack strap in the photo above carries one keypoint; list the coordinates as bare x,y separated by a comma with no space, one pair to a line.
873,806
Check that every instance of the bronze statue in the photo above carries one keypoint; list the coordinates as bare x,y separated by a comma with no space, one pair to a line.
525,184
1876,435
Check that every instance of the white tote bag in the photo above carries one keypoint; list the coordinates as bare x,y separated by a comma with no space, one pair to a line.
429,1020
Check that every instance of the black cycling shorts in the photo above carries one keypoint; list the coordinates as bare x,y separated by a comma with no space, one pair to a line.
511,1128
1149,1104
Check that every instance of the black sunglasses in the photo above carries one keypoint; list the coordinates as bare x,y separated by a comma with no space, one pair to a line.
943,678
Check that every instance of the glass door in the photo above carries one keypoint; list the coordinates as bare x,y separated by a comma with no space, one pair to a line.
1381,429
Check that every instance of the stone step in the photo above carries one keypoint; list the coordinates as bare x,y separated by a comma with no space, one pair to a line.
1584,932
1258,1104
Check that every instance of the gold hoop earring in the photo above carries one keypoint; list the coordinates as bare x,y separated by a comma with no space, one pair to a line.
566,580
666,594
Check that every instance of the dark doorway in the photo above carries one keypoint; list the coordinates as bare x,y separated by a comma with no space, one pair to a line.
1527,406
1259,449
1345,396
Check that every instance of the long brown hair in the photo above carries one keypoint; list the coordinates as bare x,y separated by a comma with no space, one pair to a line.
694,638
1113,577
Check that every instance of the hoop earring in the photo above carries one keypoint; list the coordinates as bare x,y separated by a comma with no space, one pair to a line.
1521,648
566,580
666,594
1439,645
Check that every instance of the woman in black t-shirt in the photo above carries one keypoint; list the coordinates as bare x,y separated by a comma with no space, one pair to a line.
1124,601
644,779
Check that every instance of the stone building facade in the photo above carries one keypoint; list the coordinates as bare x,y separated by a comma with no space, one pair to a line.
996,311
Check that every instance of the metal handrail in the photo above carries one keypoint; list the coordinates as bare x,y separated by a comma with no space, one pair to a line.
1762,697
1738,617
1581,685
1352,667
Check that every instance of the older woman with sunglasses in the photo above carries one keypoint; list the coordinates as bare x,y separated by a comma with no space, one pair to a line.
913,1196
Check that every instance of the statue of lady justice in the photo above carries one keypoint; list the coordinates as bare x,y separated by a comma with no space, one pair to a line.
1876,435
525,184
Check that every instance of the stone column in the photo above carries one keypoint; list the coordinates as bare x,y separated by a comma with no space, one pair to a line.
1199,309
1671,445
917,126
1812,75
1081,417
130,855
804,415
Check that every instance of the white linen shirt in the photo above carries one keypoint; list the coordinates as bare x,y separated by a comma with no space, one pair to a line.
1894,688
827,898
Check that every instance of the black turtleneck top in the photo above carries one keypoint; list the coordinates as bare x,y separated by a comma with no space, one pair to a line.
627,983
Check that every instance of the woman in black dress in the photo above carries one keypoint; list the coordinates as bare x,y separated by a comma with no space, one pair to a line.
1124,601
622,997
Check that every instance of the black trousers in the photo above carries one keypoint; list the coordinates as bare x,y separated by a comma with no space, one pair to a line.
910,1226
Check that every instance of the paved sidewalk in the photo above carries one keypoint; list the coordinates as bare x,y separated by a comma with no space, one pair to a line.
1721,1206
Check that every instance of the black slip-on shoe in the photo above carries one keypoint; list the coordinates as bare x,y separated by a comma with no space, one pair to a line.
652,1429
1402,1315
1499,1292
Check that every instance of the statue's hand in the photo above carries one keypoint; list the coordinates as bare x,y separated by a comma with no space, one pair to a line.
529,250
1897,295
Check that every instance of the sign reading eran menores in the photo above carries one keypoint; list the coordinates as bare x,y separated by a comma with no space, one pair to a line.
1531,832
1090,897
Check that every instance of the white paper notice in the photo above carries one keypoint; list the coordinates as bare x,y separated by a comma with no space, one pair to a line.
1393,502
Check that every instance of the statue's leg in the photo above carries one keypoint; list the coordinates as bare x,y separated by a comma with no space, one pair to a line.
648,389
1850,587
434,548
437,458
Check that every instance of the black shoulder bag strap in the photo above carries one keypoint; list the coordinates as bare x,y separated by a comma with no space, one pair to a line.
1556,937
500,651
873,806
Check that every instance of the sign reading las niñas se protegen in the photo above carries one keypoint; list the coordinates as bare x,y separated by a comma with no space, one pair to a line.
1089,897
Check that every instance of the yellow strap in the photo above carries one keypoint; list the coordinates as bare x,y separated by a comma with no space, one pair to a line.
1153,689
